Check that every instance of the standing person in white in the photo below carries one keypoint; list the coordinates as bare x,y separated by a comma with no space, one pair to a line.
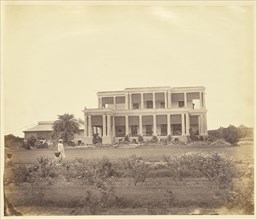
60,149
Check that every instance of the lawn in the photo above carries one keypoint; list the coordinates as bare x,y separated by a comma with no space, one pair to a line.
158,194
151,153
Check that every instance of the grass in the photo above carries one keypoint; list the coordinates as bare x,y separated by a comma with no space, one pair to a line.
130,196
148,153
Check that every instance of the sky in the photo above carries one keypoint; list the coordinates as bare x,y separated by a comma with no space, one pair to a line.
57,57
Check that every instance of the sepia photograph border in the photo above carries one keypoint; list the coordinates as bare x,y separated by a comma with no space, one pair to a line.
123,3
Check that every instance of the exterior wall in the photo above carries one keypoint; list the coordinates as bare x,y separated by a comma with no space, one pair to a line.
38,134
79,137
165,101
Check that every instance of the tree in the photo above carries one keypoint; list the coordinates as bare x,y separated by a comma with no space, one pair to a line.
13,141
65,127
231,134
31,141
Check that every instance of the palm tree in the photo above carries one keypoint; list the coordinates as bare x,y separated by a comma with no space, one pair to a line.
65,127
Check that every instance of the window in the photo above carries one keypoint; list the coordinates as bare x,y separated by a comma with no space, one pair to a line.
149,104
177,128
135,105
181,104
149,130
134,130
162,104
163,130
120,131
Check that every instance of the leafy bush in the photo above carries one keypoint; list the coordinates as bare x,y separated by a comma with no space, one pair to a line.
20,174
31,141
154,139
242,199
133,167
169,138
140,139
126,138
13,141
217,169
231,134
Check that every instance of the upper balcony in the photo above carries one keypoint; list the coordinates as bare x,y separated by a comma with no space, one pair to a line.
153,98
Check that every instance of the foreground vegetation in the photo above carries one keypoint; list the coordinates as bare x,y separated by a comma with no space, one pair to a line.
177,184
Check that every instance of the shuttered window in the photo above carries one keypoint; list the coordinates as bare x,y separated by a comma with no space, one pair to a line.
147,120
97,120
159,96
148,96
120,99
133,120
119,121
175,119
193,120
161,119
107,100
193,95
175,97
136,97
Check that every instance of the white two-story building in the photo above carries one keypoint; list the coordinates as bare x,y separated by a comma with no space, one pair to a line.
149,111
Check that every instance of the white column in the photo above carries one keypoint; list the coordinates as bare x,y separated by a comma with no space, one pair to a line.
154,124
199,124
140,125
108,125
100,103
185,99
202,125
169,99
114,102
153,100
113,123
142,101
165,99
183,124
168,124
126,101
89,126
127,125
187,124
130,101
104,125
85,126
203,100
205,125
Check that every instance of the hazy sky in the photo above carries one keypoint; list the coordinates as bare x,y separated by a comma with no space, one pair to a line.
56,58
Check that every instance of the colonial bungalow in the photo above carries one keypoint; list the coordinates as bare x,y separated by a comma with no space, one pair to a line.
42,131
147,111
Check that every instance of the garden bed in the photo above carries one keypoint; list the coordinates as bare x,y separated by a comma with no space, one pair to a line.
182,183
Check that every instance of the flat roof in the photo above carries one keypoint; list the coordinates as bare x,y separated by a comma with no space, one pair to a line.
45,126
155,88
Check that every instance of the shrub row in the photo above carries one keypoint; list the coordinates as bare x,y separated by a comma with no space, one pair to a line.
215,167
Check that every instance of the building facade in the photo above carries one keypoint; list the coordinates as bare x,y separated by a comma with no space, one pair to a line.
43,130
149,111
